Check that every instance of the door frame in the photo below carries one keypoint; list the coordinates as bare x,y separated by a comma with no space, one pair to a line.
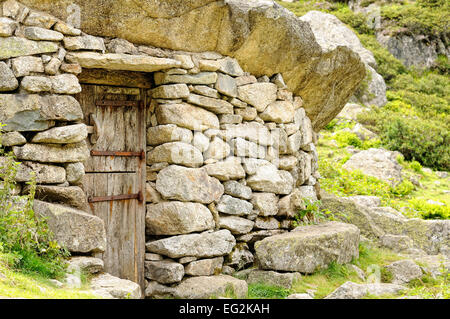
142,82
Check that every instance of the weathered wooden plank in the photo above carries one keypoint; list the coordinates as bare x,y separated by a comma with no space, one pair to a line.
122,129
116,78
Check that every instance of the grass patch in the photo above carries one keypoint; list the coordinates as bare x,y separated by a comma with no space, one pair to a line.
263,291
327,280
33,285
405,197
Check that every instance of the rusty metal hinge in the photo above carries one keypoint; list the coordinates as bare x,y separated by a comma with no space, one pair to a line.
140,154
119,103
97,199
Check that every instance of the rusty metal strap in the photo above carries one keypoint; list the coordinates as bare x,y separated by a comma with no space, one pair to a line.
119,103
140,154
137,196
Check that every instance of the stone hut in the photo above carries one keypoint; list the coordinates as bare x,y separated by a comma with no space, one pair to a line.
167,137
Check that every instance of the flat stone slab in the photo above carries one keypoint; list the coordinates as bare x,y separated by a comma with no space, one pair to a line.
204,245
15,47
122,62
308,248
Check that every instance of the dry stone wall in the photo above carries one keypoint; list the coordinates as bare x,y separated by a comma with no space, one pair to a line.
230,156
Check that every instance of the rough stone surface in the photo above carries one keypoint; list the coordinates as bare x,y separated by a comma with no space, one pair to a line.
36,33
234,206
203,78
78,231
211,104
237,225
204,267
188,116
404,271
265,203
75,172
279,112
69,153
164,271
174,218
378,163
298,250
168,133
204,245
173,91
31,112
106,285
269,179
375,222
172,26
351,290
11,47
188,184
273,278
8,81
230,168
205,287
217,149
13,139
89,264
44,173
259,95
123,62
236,189
62,135
24,65
73,195
176,153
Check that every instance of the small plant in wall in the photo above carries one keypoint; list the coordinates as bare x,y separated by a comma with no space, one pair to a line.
313,214
310,214
23,236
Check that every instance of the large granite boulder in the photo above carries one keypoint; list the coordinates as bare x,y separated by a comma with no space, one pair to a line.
308,248
378,163
331,32
432,236
251,31
76,230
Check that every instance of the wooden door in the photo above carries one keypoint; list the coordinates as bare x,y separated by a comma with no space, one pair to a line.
115,174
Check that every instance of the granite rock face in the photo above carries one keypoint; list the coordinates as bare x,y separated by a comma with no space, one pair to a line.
250,32
299,250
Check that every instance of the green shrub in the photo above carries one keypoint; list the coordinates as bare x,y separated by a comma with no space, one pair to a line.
429,211
418,19
417,139
415,166
310,214
403,189
22,234
344,139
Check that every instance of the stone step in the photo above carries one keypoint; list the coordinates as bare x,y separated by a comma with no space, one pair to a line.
107,286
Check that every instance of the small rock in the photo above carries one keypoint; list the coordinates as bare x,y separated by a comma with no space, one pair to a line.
404,271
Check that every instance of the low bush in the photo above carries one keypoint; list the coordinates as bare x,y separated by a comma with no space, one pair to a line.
22,234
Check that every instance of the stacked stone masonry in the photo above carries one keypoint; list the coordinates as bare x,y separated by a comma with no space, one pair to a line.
230,157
